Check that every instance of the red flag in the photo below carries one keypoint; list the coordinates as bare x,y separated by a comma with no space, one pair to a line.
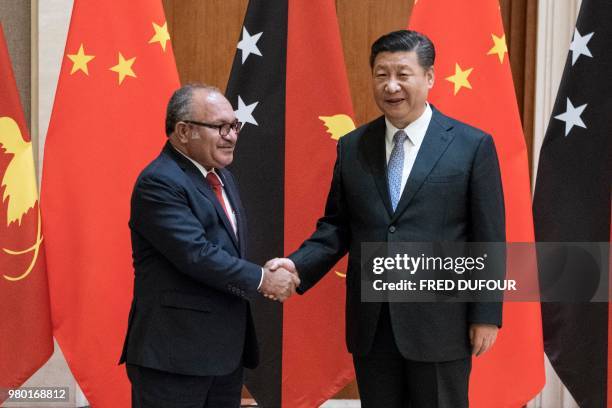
474,84
117,75
316,364
27,341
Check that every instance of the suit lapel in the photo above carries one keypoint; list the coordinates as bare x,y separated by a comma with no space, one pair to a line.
203,187
436,140
234,198
374,151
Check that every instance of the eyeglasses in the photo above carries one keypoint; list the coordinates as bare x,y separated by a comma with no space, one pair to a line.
223,128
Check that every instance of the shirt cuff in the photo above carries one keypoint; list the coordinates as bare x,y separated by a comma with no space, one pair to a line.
261,279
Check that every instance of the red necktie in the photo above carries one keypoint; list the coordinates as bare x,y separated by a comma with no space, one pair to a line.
215,184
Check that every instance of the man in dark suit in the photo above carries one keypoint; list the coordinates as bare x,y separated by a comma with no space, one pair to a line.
190,330
412,175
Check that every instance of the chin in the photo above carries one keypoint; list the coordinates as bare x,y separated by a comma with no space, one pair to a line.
395,117
225,162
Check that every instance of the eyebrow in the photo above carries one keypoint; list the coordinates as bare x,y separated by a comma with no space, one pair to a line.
398,66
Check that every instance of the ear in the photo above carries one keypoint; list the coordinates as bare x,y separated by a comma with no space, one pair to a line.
182,132
430,77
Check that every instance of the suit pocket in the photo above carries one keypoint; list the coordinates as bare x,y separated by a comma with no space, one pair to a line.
452,178
177,300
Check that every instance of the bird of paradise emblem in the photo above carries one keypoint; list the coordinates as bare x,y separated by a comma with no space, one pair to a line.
20,194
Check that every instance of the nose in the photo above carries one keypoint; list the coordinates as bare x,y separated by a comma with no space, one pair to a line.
392,86
232,136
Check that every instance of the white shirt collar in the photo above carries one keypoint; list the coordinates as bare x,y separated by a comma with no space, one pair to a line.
199,166
415,130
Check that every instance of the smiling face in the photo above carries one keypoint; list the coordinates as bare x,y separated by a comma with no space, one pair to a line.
401,86
203,144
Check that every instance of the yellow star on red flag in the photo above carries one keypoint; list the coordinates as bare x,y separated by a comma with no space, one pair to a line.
161,35
499,47
80,60
460,78
124,68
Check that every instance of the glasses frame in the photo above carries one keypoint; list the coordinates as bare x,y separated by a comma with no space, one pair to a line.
236,125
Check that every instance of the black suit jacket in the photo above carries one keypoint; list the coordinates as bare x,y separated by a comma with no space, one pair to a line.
190,313
454,193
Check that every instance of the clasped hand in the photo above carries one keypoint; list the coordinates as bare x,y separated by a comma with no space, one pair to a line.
280,279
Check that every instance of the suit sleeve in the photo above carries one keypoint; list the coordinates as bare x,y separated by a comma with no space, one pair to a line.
329,243
162,215
487,224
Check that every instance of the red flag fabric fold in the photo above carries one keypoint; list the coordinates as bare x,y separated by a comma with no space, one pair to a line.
316,364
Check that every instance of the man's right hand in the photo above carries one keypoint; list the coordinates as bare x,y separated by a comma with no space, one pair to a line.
285,263
278,283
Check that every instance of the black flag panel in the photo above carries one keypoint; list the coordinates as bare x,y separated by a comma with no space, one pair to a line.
256,89
572,198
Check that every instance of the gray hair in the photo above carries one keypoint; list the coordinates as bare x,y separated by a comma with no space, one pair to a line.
180,104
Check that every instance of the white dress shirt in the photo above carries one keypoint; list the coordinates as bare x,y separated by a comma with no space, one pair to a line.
416,132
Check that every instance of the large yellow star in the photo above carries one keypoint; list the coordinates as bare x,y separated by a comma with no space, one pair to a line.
460,79
499,47
124,68
80,60
161,35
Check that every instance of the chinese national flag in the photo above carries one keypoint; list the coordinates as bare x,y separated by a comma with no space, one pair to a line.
474,84
117,75
316,364
26,341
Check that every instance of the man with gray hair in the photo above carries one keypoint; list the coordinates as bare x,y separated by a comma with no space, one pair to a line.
190,330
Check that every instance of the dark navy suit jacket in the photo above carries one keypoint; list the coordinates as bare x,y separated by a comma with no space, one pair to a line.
454,193
190,313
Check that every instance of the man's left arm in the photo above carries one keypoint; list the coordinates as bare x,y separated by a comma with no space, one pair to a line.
487,226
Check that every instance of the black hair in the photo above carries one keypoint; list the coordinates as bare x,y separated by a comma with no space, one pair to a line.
405,40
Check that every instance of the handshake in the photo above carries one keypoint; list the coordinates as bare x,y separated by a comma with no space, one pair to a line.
280,279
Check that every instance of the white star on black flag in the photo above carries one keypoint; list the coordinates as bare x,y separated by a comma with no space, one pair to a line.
579,45
572,202
571,116
248,44
244,113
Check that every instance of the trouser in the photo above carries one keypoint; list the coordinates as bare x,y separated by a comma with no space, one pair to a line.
386,379
160,389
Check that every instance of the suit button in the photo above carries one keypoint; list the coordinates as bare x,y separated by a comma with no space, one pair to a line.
392,229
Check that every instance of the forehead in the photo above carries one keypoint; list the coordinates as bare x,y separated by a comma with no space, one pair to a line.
211,105
397,59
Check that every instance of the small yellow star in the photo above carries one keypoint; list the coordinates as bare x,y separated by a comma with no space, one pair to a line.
124,68
499,47
80,60
161,35
460,79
